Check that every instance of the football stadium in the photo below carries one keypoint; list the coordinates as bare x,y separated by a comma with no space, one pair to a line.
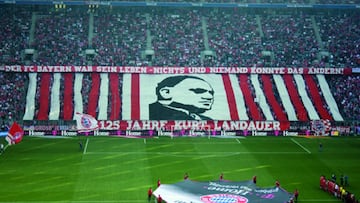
190,101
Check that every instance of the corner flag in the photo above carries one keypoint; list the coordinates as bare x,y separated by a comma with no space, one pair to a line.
85,122
15,134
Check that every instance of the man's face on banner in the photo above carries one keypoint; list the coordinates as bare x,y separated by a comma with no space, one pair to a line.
193,94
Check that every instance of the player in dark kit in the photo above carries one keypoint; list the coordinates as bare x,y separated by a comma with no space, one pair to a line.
150,194
159,199
186,176
254,180
221,178
158,182
296,195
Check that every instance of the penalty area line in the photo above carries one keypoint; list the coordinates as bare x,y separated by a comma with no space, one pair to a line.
304,148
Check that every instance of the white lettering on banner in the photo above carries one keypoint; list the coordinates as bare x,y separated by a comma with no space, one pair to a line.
109,69
83,68
191,124
100,133
197,70
54,69
177,70
225,133
109,125
326,71
248,125
13,68
35,133
67,133
169,70
256,133
287,133
132,133
196,125
233,70
29,69
133,69
145,125
268,70
295,70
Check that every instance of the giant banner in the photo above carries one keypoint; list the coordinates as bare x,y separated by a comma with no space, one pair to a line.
188,191
258,99
176,70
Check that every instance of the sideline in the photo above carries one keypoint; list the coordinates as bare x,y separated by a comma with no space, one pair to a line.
304,148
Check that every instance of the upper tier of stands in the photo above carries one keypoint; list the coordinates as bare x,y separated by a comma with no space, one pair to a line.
143,36
43,35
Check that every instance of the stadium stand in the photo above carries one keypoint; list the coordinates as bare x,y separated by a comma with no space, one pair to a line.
216,37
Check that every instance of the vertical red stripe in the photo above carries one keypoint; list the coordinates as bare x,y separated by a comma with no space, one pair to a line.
295,98
316,98
115,96
268,90
135,96
94,94
44,98
249,98
230,97
68,108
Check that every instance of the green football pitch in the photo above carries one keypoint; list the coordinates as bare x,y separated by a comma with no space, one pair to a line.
113,169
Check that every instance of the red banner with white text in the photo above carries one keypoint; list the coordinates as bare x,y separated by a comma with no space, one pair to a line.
178,70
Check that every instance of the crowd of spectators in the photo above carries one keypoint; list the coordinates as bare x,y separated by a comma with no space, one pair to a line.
234,38
61,38
179,37
290,39
346,91
13,89
119,37
341,39
14,33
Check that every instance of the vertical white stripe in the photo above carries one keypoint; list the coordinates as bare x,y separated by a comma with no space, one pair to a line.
126,97
148,84
103,96
329,99
261,97
313,115
285,98
30,97
55,98
239,97
78,100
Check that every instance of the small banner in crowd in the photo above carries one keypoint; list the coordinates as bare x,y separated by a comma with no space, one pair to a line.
15,134
188,191
85,122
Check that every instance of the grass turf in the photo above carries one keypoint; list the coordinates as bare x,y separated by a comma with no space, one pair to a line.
112,169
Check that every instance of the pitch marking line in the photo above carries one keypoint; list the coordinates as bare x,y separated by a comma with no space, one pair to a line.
86,145
238,141
187,153
304,148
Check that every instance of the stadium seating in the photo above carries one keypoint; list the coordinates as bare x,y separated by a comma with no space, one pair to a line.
226,37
